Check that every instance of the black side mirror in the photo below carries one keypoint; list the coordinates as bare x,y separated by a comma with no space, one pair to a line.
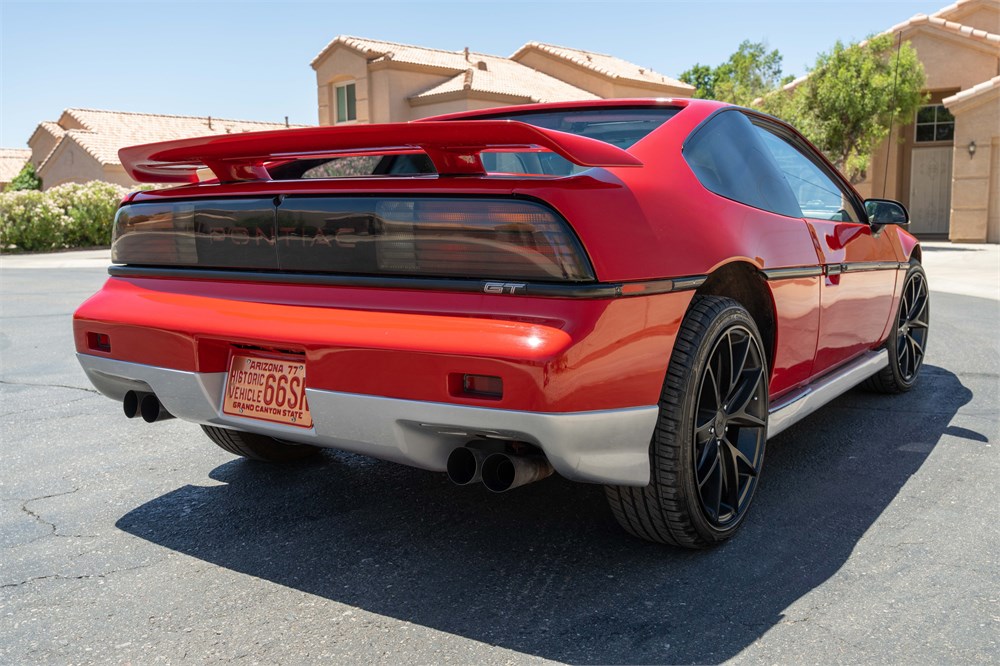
886,211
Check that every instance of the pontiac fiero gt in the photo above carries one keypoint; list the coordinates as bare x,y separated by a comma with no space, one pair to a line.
636,293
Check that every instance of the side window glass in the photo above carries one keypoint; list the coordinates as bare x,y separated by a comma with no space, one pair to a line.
729,158
819,196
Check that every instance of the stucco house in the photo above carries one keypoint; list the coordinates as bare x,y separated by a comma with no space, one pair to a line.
12,160
368,81
945,166
83,144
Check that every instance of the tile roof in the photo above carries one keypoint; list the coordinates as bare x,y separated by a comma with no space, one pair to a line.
108,131
936,21
504,77
955,7
376,50
601,63
974,91
11,162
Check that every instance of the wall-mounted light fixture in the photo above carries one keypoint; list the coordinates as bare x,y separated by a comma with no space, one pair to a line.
972,148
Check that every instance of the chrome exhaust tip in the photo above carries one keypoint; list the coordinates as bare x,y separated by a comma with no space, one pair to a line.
502,472
465,465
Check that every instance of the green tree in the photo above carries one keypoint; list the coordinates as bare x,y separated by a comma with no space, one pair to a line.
751,72
702,77
846,104
27,179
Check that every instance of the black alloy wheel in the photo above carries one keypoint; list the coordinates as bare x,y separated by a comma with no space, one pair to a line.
708,446
907,343
730,427
911,326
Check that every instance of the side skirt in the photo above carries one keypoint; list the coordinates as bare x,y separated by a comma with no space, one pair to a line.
791,409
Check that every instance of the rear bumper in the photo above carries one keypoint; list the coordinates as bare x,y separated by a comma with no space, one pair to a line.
599,446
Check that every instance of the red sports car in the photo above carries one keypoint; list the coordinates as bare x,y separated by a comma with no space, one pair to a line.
636,293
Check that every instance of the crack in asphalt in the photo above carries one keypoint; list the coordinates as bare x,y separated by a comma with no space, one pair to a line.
53,528
65,386
103,574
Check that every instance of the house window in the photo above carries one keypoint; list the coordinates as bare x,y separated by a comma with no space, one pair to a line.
347,108
935,123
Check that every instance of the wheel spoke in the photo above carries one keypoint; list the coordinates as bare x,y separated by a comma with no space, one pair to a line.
731,478
707,476
738,413
904,358
715,387
711,494
916,308
737,368
730,370
740,458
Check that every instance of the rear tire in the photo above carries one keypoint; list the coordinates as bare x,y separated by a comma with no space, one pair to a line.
708,447
907,340
258,447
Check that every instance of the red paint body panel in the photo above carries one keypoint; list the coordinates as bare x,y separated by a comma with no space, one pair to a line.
554,355
798,331
855,306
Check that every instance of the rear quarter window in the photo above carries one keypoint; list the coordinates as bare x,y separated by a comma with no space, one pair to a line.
729,158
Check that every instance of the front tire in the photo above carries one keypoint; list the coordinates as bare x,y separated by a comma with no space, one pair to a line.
708,447
258,447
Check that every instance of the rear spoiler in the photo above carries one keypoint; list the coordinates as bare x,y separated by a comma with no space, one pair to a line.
453,147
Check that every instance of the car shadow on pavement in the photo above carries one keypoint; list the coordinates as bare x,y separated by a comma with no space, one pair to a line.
544,570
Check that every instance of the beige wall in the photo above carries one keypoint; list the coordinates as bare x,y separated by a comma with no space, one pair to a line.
72,164
395,85
952,61
983,17
41,142
974,190
339,66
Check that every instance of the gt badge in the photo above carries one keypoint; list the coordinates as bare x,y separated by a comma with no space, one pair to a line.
504,287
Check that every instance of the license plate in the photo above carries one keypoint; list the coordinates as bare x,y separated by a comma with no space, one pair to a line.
267,389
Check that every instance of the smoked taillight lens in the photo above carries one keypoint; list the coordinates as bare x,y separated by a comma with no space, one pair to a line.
496,239
421,237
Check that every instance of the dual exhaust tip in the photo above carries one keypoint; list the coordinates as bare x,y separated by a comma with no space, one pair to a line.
499,472
146,405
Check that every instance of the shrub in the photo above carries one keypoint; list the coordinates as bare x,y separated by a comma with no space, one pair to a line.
30,221
90,210
26,179
70,215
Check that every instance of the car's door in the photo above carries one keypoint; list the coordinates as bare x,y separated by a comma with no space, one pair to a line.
859,268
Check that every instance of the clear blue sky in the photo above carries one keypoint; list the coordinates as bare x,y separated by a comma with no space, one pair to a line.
250,60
